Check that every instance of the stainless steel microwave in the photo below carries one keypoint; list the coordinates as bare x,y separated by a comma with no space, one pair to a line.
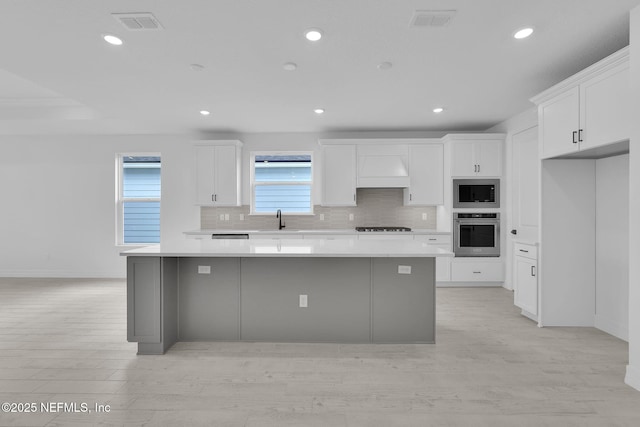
476,193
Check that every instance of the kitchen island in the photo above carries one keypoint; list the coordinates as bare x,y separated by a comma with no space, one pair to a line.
349,290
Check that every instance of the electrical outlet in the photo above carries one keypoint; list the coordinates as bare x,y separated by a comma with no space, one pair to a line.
424,216
204,269
404,269
321,217
221,217
241,217
304,301
226,217
350,217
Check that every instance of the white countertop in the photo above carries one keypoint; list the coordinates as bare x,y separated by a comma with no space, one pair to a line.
291,248
286,231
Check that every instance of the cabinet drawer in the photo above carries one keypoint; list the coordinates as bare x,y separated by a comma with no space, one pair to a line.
526,251
434,239
331,236
477,271
257,236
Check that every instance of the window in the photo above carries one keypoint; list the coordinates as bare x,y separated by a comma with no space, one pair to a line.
281,181
138,207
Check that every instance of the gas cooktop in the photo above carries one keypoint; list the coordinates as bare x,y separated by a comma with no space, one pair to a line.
383,229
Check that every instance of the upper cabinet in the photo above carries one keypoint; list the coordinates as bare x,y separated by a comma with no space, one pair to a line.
339,175
426,175
588,110
478,155
218,173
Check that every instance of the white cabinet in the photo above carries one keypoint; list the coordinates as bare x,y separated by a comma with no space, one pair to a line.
384,236
426,174
525,274
588,110
476,270
443,264
339,175
330,236
218,173
476,158
275,236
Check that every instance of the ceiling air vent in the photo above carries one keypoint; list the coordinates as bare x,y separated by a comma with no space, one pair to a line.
431,18
138,21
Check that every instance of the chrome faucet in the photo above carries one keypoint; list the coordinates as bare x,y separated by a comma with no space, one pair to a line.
280,223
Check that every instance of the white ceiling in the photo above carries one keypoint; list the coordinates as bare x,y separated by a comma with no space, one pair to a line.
57,75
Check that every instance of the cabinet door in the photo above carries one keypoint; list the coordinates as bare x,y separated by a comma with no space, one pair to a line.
526,289
605,105
463,159
226,176
205,174
426,171
559,123
339,175
489,158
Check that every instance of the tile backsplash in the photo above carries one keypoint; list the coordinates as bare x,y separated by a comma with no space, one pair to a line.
376,207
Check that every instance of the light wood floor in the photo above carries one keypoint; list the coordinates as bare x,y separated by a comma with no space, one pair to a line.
65,341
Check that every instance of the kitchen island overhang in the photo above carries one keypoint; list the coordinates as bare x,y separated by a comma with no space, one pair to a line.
380,291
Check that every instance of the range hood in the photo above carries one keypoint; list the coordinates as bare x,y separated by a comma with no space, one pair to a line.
383,166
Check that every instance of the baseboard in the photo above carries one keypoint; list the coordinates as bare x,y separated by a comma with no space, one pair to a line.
469,284
616,329
633,377
57,274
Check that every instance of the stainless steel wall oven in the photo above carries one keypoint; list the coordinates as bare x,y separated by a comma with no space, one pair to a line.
476,234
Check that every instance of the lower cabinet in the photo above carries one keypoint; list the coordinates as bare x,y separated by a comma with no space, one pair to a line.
525,274
475,270
443,264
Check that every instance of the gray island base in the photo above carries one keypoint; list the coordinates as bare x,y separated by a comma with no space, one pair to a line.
202,295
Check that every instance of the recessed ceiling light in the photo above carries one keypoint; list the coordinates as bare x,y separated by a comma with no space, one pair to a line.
438,110
290,66
112,40
523,33
204,112
319,111
313,34
384,65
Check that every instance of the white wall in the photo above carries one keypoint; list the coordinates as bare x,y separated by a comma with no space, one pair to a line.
633,369
612,246
58,202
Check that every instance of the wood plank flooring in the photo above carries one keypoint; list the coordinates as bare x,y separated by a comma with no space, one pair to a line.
65,341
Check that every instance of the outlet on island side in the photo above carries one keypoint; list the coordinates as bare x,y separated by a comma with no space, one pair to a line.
350,217
424,216
304,301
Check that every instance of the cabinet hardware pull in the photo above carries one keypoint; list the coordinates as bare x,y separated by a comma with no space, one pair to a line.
478,168
477,272
215,197
212,198
410,197
475,168
575,134
533,270
522,250
433,239
580,135
354,197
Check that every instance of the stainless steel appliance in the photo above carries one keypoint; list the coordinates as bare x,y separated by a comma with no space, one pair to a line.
229,236
476,193
382,229
476,234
